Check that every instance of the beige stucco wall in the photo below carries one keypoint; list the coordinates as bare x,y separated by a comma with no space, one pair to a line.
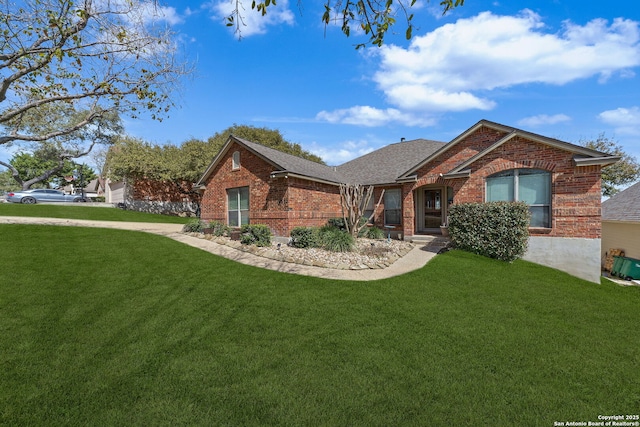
114,192
621,235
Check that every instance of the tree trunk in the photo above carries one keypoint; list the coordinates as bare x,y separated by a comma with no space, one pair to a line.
354,199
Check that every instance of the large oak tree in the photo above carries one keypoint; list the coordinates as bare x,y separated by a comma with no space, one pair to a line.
54,157
374,18
625,171
94,57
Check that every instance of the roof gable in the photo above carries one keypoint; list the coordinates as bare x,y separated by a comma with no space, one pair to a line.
281,161
583,156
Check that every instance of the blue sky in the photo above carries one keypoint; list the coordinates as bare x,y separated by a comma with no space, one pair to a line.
566,69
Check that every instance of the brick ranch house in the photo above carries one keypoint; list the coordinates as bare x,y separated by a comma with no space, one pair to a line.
250,183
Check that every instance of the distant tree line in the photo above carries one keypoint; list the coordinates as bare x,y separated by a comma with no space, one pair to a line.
135,158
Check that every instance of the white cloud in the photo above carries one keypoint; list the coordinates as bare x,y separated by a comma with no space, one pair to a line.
456,66
625,120
146,12
163,13
370,117
348,150
543,119
444,70
252,21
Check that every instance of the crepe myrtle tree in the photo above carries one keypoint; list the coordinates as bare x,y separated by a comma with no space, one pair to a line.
354,199
373,17
95,57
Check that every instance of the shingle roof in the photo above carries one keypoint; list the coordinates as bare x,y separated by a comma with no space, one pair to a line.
395,162
382,166
293,164
623,206
386,164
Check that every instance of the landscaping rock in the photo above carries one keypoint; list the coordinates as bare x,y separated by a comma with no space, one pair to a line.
369,254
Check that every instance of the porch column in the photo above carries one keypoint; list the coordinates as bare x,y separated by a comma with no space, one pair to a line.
408,211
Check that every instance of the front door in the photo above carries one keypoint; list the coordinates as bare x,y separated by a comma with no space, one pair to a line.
432,208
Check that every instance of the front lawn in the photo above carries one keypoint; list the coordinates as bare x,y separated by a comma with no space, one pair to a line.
85,212
110,327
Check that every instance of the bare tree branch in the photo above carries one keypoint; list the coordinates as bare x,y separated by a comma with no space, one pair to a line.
95,56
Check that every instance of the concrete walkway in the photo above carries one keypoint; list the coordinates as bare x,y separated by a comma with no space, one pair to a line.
414,260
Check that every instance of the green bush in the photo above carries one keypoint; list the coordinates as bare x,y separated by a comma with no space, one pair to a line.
340,224
336,240
258,234
337,223
305,237
195,225
101,199
496,229
219,228
372,233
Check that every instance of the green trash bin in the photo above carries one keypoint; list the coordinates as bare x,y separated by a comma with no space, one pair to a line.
630,269
617,264
624,264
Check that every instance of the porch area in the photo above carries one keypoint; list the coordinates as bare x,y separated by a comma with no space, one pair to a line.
430,242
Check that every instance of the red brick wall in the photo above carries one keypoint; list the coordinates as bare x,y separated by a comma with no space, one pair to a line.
163,191
575,203
280,203
253,173
312,204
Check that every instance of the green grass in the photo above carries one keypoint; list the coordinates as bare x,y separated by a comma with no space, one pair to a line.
85,212
109,327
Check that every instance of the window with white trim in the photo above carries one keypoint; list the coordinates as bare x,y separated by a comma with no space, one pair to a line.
235,160
392,206
238,206
532,186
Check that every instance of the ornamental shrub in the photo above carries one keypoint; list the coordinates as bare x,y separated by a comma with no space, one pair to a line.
219,228
373,233
495,229
305,237
258,234
194,226
335,240
340,224
337,223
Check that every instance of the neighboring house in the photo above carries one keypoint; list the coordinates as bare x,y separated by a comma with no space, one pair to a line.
621,222
94,188
146,195
250,183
